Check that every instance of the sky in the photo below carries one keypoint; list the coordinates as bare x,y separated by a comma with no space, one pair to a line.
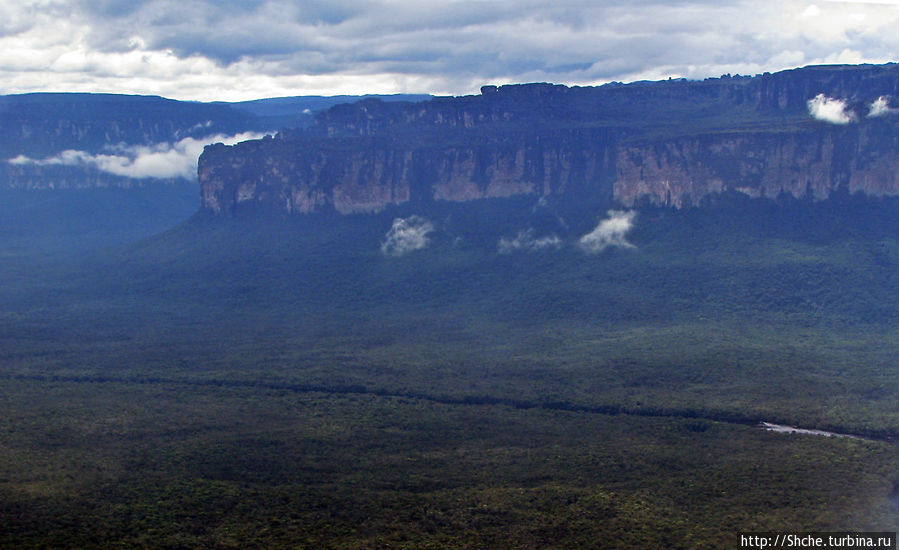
234,50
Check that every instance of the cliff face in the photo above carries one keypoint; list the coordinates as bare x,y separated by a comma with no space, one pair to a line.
69,141
674,143
359,181
365,175
810,162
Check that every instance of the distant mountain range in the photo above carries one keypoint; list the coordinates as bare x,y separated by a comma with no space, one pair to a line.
803,133
76,140
490,321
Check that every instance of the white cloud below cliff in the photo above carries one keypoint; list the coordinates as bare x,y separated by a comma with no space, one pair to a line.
611,232
525,241
406,235
161,160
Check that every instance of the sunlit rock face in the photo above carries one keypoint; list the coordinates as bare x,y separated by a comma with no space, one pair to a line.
806,133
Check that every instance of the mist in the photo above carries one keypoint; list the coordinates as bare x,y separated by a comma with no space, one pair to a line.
880,107
830,110
525,241
610,232
406,235
157,161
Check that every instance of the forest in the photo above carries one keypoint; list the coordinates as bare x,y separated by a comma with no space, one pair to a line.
174,380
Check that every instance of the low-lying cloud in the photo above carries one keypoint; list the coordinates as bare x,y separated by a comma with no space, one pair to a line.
830,110
881,107
160,160
610,232
525,241
406,235
836,111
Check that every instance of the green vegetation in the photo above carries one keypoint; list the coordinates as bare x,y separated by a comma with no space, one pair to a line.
252,383
168,466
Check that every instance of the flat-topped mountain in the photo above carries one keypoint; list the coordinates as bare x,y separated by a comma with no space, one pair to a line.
807,132
82,140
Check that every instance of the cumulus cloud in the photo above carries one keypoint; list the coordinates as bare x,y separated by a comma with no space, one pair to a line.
406,235
610,232
830,110
525,241
880,107
161,160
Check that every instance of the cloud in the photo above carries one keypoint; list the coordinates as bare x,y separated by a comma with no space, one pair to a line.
525,241
880,107
237,50
610,232
162,160
885,2
406,235
830,110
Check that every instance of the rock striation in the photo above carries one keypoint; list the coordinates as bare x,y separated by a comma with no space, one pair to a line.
811,162
675,142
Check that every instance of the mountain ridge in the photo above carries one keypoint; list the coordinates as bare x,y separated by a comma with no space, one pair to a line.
80,140
613,145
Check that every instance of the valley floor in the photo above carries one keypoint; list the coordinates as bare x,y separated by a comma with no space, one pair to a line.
236,384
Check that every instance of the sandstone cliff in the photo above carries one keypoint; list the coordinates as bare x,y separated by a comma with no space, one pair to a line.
812,161
365,174
673,142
